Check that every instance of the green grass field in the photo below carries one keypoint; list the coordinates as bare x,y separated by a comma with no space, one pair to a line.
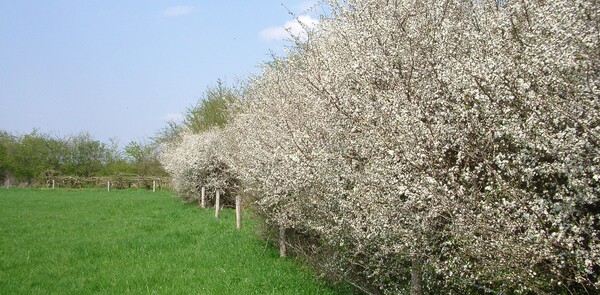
134,242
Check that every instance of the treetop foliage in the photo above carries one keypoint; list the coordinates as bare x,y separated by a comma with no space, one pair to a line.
212,110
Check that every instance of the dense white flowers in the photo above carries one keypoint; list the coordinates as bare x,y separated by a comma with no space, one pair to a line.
194,162
460,137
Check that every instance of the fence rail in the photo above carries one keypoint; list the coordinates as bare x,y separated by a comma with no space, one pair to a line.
115,182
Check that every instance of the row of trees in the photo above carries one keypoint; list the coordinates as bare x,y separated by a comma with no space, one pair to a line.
423,146
35,157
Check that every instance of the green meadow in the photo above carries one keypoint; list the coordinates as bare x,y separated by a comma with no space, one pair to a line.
135,242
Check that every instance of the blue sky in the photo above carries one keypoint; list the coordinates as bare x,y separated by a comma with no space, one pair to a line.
122,68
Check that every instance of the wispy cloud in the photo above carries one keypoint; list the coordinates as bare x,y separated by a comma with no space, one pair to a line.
178,10
293,27
173,117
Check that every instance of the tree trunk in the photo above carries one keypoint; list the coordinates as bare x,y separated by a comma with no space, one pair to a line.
416,277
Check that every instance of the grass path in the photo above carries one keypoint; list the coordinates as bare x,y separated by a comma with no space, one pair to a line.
134,242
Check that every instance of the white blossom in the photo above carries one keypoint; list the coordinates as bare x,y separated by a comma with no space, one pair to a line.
463,134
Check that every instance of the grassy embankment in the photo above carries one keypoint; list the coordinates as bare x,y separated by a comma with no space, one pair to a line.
134,242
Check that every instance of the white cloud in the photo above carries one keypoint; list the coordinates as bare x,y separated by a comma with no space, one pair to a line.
178,10
173,117
293,27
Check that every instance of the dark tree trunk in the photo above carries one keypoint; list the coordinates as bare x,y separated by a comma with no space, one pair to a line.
416,277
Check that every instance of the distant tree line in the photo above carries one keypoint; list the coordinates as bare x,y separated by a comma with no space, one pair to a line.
35,156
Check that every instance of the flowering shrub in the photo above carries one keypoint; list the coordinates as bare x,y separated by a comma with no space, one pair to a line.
194,162
456,140
426,145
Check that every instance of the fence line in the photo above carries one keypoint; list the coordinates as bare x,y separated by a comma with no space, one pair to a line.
109,182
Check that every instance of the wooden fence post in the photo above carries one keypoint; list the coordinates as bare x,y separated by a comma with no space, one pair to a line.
238,211
217,205
202,198
153,185
108,185
281,240
52,183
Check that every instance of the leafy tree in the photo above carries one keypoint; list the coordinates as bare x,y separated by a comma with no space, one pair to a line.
6,140
211,109
32,154
144,158
169,134
84,156
116,163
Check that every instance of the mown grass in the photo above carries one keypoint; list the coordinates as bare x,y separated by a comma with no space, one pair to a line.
134,242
